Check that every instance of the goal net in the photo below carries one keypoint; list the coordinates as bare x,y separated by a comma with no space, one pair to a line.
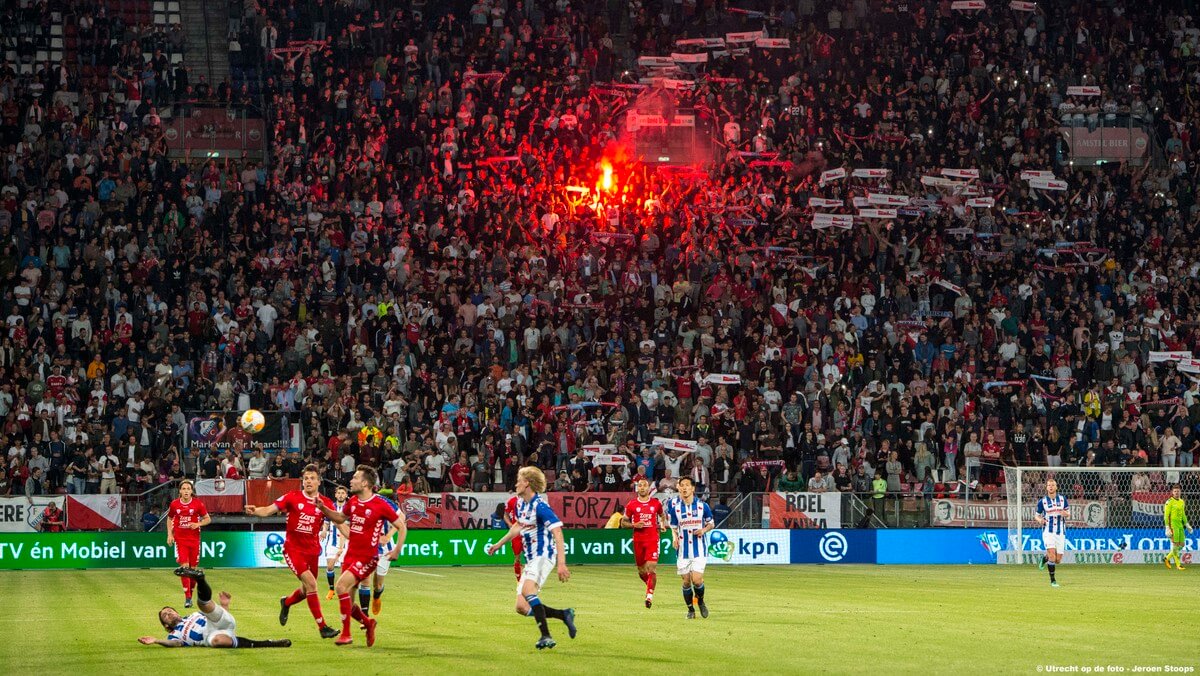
1116,513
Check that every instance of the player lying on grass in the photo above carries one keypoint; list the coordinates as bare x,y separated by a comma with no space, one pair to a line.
212,627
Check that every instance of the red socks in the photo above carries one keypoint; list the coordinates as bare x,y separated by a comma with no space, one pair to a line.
347,607
187,586
314,607
644,576
294,598
349,610
517,569
651,582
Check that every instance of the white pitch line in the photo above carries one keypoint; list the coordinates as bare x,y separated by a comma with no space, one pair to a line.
417,572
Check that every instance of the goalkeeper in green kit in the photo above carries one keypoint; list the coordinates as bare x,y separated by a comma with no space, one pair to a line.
1175,519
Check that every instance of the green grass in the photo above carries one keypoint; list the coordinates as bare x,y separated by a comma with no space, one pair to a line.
785,619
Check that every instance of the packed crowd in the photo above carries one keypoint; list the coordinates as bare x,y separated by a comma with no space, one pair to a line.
410,259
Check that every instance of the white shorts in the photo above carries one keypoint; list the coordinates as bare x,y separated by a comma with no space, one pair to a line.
693,565
384,565
220,623
536,570
1055,541
331,556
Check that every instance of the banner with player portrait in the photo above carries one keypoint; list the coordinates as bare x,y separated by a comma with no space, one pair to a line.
957,512
805,510
219,430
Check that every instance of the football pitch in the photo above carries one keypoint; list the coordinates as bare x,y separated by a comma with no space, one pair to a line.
767,619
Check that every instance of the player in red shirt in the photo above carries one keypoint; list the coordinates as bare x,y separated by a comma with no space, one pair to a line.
510,517
363,511
185,518
646,516
302,546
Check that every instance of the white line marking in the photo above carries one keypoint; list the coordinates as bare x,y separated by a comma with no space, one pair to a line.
417,572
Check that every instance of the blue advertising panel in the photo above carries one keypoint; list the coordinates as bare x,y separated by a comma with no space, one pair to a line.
938,545
833,546
1108,539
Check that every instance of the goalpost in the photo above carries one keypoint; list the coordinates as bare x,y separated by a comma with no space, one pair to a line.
1116,513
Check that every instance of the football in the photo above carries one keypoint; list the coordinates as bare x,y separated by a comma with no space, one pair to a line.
252,421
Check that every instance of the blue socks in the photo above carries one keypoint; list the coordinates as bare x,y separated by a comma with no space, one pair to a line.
687,596
329,578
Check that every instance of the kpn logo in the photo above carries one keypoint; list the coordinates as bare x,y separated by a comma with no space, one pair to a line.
719,545
274,550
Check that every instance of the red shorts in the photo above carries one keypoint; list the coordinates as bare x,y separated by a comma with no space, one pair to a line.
361,569
645,550
187,553
302,562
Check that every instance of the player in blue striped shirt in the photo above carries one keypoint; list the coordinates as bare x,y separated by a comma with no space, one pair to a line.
212,627
1052,514
387,542
691,520
541,533
335,541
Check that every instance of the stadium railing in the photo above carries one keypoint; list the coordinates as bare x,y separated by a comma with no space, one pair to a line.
945,505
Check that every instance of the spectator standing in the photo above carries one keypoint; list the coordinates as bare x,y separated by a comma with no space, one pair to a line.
109,465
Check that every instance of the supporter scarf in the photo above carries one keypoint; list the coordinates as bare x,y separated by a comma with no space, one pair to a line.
754,464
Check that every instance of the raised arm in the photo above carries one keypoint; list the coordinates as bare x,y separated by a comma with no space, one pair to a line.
262,512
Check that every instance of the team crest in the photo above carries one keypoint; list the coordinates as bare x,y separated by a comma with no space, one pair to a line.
414,508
